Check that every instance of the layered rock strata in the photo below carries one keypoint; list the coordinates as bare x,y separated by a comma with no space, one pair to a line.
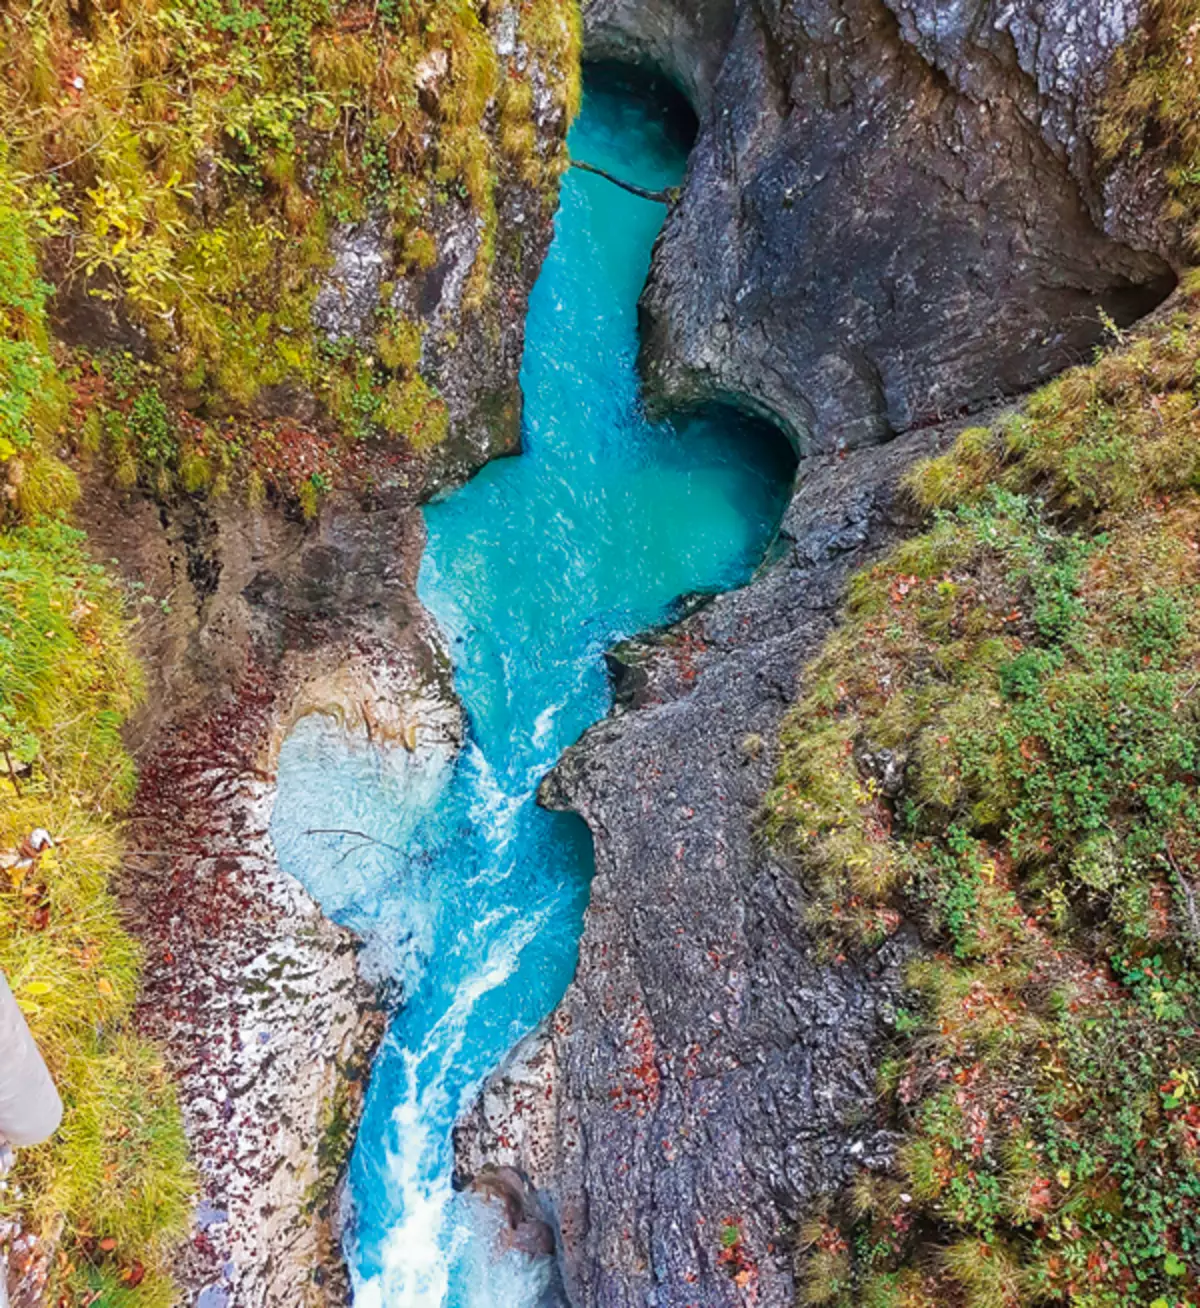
893,211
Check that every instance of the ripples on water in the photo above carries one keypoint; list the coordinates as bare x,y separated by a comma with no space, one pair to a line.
531,572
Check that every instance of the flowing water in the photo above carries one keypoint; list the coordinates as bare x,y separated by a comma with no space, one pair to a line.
532,570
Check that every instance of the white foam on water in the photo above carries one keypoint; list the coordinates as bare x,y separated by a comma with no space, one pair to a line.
544,724
436,1230
496,809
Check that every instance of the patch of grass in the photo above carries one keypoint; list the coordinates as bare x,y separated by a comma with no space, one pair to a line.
398,346
413,409
1150,105
1028,667
115,1182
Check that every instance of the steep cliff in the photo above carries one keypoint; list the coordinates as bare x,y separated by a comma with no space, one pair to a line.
892,214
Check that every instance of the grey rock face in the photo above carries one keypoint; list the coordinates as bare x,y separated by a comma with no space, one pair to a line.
890,214
684,40
346,303
707,1069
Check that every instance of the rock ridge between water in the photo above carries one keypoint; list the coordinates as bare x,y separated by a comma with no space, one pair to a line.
706,1071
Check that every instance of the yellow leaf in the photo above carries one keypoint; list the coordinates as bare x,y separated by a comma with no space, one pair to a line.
104,985
36,988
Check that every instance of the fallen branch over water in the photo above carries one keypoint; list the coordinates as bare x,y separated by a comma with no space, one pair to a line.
359,835
658,197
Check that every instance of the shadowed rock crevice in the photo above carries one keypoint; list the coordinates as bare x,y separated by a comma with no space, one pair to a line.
682,42
891,214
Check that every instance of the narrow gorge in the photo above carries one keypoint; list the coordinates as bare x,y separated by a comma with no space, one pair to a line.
666,745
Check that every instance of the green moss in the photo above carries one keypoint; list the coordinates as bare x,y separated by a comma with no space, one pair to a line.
195,471
554,32
1031,659
1150,105
398,345
420,250
518,132
414,410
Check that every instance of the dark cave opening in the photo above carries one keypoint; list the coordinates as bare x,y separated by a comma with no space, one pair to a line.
656,94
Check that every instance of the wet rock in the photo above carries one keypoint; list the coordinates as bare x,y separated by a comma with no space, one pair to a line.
883,767
348,299
892,211
707,1064
512,1123
527,1230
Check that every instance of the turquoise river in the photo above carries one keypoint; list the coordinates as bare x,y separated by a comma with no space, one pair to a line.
532,570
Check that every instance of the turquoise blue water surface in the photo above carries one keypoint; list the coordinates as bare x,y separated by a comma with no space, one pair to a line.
531,571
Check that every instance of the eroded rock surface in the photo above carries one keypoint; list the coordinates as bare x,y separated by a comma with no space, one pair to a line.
707,1073
256,998
891,213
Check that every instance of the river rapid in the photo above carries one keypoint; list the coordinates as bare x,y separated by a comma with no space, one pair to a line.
531,572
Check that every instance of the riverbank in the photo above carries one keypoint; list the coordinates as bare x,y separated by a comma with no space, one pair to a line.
255,323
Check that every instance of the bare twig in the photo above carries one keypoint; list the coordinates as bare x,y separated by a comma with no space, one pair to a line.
658,197
361,835
12,772
1188,895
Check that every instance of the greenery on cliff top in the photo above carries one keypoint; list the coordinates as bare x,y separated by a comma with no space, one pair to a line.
115,1181
187,161
183,163
1001,748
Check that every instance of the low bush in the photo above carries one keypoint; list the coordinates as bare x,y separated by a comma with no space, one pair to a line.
1000,747
113,1187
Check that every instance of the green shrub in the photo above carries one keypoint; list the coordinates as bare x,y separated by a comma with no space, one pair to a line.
115,1182
1031,659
